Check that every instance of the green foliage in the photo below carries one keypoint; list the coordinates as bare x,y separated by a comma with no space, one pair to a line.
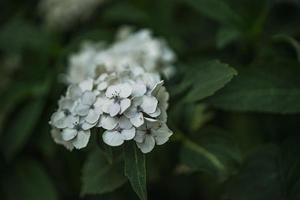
217,10
15,137
206,79
18,35
100,176
213,152
235,121
273,89
294,43
272,170
29,181
135,169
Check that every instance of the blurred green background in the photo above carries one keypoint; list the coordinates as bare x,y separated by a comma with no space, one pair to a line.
240,143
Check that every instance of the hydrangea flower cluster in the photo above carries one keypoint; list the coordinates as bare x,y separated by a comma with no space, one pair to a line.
118,90
131,50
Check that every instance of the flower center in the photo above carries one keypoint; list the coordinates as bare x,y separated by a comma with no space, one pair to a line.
78,127
148,132
67,112
139,109
115,94
117,99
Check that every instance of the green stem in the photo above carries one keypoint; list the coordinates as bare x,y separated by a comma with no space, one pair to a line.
178,136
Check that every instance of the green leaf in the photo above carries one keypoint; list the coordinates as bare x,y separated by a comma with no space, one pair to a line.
135,169
18,35
293,42
101,176
213,152
226,36
272,172
274,89
217,10
205,79
124,12
29,182
21,127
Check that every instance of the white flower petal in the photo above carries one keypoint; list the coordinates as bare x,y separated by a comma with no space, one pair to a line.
125,103
56,135
156,88
102,86
101,78
156,113
103,103
163,116
149,104
162,134
114,109
140,136
74,92
88,98
147,145
86,126
112,138
68,134
58,120
86,85
125,90
138,90
108,122
70,120
150,121
137,120
124,123
66,104
82,139
82,109
92,116
128,134
113,91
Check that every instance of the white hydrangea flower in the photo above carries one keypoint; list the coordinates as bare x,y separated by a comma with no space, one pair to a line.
62,14
127,105
82,64
71,123
144,105
118,89
64,116
123,130
138,52
76,136
57,137
118,99
151,133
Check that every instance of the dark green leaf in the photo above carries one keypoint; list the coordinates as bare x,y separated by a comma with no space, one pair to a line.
18,35
270,173
206,79
124,12
217,10
225,36
19,130
293,42
29,182
213,152
135,169
273,89
100,176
